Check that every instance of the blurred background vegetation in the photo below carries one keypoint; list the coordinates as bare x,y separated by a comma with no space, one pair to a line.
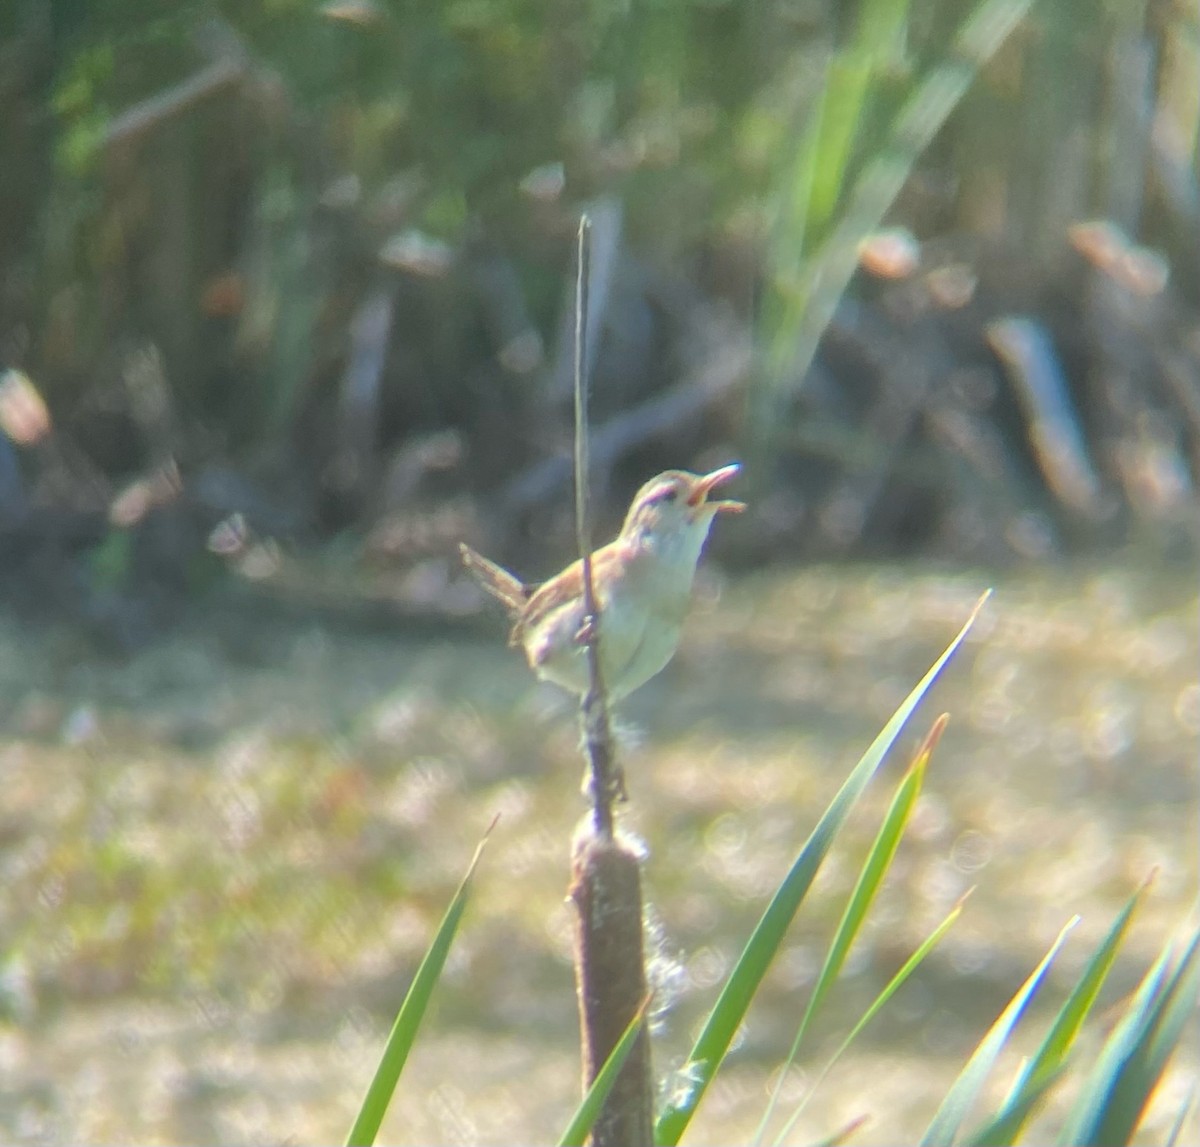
285,313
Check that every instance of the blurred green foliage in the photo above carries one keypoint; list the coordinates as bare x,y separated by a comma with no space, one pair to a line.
473,94
747,149
697,111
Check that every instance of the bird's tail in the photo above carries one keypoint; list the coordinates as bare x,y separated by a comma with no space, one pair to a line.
510,591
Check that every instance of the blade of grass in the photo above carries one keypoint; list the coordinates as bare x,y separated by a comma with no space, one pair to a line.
1178,1006
1004,1127
412,1010
589,1108
1113,1054
730,1009
953,1110
893,985
870,878
840,1136
1051,1055
812,297
817,173
783,307
1128,1068
880,27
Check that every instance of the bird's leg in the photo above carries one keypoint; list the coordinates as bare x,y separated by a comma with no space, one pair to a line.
586,632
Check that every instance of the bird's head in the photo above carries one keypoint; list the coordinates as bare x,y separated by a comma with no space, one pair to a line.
674,510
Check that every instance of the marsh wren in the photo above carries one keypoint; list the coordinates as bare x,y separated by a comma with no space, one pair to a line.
642,581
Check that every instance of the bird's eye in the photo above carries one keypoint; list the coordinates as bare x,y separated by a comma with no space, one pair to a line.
667,494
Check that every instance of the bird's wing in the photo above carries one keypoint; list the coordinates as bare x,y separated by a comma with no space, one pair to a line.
548,597
567,587
509,590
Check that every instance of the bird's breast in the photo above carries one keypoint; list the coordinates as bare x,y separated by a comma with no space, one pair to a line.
641,615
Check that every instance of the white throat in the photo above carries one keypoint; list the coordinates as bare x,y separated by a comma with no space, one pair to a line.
674,553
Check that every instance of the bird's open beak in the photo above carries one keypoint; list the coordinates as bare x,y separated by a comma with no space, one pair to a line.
710,482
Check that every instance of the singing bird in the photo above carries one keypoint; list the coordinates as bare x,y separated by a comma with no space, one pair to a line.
642,582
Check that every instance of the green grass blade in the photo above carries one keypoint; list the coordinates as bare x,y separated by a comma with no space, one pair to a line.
874,868
814,297
1052,1053
1116,1092
412,1010
919,120
585,1114
1178,1006
817,175
1079,1127
893,985
878,861
1007,1123
783,308
852,77
730,1008
953,1110
840,1136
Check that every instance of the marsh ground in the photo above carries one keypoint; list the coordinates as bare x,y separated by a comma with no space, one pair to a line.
222,858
